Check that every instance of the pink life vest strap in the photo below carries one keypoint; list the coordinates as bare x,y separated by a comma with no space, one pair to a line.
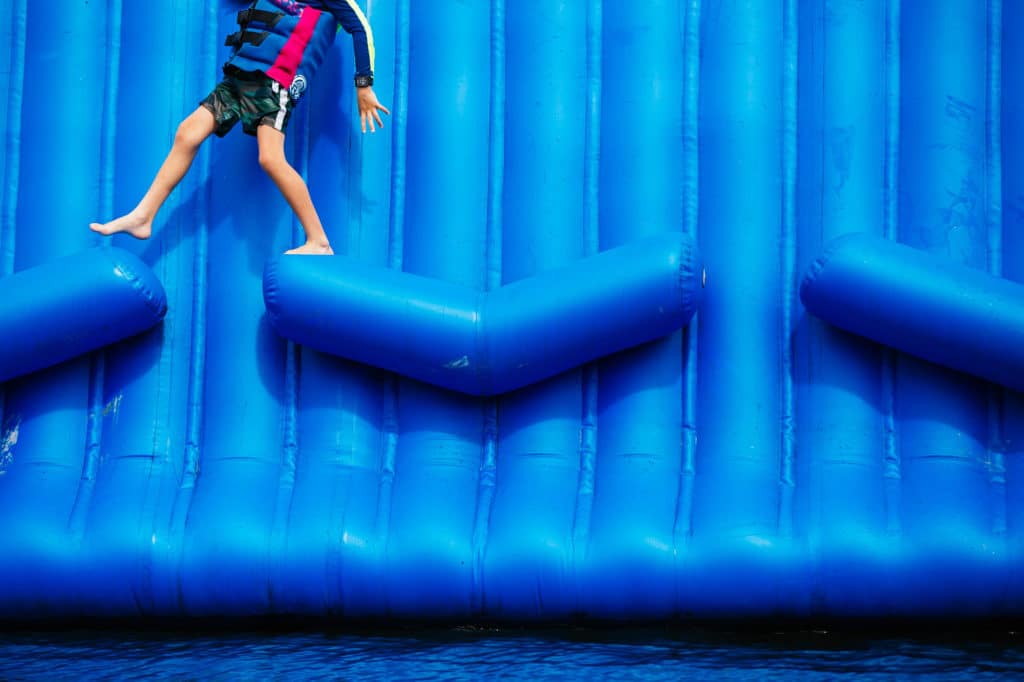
287,62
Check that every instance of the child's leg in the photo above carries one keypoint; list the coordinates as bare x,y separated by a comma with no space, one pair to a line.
293,187
192,132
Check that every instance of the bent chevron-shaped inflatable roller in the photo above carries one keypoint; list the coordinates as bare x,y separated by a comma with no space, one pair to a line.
53,312
485,343
941,311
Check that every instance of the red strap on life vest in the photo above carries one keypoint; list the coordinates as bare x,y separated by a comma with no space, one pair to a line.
287,62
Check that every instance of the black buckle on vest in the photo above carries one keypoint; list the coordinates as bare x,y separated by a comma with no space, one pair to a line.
237,38
260,15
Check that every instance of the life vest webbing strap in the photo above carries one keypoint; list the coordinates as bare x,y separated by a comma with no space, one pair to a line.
239,37
259,15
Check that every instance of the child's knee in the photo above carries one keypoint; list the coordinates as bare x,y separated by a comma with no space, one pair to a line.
188,135
272,162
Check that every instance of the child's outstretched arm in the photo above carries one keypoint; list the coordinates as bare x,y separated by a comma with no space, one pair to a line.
354,22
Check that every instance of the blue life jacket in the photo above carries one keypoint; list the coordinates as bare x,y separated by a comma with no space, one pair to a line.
287,41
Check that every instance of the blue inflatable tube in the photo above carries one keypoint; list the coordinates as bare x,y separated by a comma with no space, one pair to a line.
53,312
486,343
938,310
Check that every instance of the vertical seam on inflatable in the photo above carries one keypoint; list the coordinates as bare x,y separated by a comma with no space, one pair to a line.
197,354
994,185
398,137
108,128
890,438
97,370
496,162
485,497
591,246
691,211
389,434
12,158
83,496
97,374
161,405
823,142
286,480
492,280
94,429
97,362
592,134
108,149
290,417
790,37
389,409
161,443
993,138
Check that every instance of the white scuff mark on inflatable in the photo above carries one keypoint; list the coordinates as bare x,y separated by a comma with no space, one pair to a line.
460,363
758,541
113,406
7,443
658,544
153,539
349,539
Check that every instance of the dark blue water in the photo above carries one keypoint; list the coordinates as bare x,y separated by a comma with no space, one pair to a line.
474,654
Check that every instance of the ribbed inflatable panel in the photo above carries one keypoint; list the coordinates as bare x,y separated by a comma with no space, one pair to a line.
757,463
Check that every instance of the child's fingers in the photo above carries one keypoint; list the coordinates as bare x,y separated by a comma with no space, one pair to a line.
369,115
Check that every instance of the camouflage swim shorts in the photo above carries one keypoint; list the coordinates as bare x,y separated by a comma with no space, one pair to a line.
254,100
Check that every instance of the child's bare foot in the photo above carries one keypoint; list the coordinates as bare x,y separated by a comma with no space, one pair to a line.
134,224
313,249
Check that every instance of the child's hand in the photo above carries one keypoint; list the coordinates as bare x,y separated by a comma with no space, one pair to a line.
368,108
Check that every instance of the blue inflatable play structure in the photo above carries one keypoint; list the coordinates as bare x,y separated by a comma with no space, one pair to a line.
666,310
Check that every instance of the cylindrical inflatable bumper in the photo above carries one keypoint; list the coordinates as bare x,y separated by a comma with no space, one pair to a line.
941,311
486,343
55,311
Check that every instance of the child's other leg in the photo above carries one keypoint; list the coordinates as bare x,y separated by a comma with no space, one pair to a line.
192,132
293,187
